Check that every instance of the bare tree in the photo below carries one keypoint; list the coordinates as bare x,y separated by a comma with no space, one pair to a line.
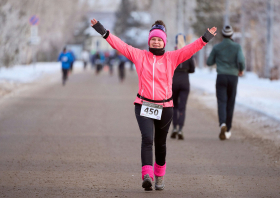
56,26
133,22
209,14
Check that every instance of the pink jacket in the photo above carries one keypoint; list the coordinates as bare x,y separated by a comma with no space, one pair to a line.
155,73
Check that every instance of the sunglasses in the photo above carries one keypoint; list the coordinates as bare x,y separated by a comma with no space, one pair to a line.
161,27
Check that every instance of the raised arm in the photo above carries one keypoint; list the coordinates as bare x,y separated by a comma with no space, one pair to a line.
128,51
188,51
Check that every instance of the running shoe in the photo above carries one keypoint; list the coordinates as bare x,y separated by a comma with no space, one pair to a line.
180,135
159,184
147,183
222,135
228,134
174,133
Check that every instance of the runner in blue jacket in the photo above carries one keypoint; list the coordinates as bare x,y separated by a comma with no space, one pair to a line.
66,59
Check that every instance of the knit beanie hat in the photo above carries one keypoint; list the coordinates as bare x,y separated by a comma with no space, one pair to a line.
157,32
227,30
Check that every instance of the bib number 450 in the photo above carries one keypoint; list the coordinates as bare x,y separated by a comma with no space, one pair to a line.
152,111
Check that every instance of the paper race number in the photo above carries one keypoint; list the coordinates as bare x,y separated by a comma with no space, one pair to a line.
151,110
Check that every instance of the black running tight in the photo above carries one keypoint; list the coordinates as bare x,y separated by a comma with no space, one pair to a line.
147,126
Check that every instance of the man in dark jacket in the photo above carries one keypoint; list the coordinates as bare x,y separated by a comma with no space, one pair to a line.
230,62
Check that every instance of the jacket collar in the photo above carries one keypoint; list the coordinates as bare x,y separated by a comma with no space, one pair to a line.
227,40
157,51
151,55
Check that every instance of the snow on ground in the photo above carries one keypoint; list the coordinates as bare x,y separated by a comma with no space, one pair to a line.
28,73
257,109
261,95
14,77
257,101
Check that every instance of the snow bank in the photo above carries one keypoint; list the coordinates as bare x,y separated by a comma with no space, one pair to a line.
14,77
28,73
261,95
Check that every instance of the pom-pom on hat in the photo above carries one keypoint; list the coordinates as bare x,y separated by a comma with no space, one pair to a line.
227,30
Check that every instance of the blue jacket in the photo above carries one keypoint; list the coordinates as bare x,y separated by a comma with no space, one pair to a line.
66,59
122,58
73,56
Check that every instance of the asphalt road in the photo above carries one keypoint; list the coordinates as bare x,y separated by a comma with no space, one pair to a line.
82,140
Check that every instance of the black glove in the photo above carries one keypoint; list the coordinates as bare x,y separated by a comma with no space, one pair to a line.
101,30
207,36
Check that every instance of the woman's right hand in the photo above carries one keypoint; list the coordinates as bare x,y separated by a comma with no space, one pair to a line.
93,22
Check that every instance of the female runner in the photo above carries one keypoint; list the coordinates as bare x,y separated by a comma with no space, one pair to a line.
153,104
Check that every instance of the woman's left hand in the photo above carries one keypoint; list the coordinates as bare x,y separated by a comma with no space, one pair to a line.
93,21
213,31
209,34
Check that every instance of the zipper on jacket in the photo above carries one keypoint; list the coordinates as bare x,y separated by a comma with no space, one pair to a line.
142,94
154,77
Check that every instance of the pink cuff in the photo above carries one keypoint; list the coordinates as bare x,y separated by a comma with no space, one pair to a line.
159,170
147,169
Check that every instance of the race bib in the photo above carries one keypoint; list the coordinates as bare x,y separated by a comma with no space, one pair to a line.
64,59
151,110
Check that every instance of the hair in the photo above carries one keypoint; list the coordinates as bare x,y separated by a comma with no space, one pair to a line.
160,22
181,41
227,36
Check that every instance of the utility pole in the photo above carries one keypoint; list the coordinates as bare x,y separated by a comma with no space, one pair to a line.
227,13
188,8
243,27
165,8
180,16
34,38
201,58
269,41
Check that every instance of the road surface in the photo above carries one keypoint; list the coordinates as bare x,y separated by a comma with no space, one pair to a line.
82,140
